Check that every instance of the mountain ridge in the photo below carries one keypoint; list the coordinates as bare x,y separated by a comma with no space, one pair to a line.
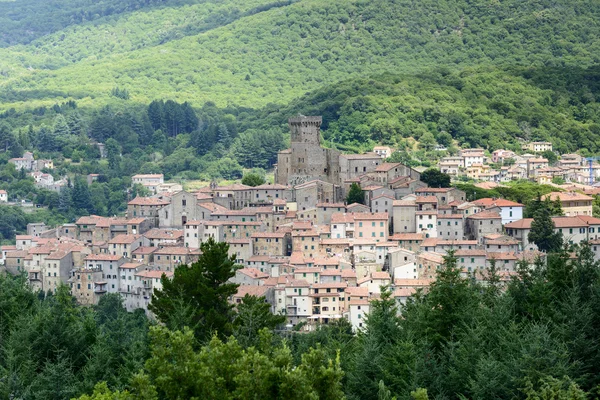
280,54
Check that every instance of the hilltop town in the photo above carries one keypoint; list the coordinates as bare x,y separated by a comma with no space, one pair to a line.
313,257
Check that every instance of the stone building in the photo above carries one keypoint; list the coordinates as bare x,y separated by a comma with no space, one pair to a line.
306,159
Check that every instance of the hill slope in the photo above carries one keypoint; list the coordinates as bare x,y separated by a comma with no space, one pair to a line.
280,54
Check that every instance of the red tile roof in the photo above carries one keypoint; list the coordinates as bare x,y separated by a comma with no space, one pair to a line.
147,201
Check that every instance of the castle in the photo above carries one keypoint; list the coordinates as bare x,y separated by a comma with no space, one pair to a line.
306,160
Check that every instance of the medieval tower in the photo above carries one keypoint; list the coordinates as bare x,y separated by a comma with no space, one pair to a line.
306,159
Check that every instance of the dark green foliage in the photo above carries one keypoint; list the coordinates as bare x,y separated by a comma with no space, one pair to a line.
253,179
197,296
252,315
172,118
355,194
53,349
542,232
435,178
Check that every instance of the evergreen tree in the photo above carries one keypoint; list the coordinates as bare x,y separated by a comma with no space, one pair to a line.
113,154
542,232
60,128
254,314
223,135
81,198
156,115
435,178
6,137
203,289
355,194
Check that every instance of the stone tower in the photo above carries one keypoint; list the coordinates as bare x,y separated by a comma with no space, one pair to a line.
306,159
305,130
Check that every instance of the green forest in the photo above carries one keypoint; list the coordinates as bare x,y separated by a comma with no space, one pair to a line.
201,90
533,337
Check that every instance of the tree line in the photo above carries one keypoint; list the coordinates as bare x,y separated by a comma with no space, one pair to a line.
533,336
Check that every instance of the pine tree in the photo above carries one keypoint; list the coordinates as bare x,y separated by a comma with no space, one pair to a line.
355,194
542,232
204,288
81,198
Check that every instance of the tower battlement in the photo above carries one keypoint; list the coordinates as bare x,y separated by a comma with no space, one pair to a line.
305,129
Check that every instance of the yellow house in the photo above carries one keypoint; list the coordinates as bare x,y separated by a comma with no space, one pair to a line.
572,203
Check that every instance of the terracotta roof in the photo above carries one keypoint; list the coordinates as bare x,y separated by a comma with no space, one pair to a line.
569,222
490,202
91,220
103,257
327,261
387,196
157,233
258,259
348,273
131,265
370,216
154,274
253,273
433,190
144,250
124,239
251,290
146,176
331,272
58,255
380,275
398,203
589,219
485,215
567,196
385,167
234,187
270,186
331,285
404,292
212,207
426,199
342,218
147,201
413,282
429,256
371,188
407,236
501,256
302,225
305,233
356,205
357,291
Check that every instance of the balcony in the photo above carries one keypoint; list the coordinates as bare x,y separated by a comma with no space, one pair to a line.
100,287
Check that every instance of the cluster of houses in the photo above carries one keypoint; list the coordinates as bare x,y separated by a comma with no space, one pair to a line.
36,169
506,166
313,257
